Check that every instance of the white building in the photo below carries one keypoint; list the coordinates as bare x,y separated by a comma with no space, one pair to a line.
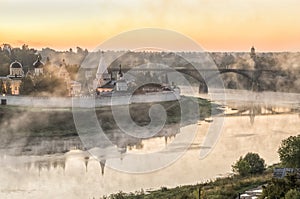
121,85
16,73
75,88
16,70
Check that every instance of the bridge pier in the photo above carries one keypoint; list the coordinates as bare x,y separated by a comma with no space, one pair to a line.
203,88
255,86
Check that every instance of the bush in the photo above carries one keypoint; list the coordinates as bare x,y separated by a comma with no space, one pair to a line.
250,164
282,188
292,194
276,188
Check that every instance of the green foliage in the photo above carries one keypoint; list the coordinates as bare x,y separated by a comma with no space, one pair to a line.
5,61
72,70
27,86
227,60
43,85
275,189
292,194
289,152
281,188
242,167
4,70
8,88
223,188
249,165
119,195
2,87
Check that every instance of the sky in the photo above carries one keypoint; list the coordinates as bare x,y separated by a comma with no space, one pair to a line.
216,25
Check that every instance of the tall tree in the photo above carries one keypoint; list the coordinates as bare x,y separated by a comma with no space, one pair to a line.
8,88
2,86
289,152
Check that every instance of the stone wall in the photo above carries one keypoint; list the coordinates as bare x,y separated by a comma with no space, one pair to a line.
89,102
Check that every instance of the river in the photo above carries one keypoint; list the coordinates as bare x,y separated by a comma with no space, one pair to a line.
256,123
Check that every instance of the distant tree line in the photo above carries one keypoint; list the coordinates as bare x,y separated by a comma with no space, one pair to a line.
25,55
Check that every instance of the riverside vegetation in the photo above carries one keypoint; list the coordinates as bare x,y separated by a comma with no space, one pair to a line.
250,172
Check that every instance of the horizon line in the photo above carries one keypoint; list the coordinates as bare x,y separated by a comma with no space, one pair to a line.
67,49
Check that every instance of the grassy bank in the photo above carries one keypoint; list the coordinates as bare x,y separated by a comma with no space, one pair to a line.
59,122
32,126
222,188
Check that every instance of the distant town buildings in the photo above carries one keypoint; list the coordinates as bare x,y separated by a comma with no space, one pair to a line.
38,67
12,82
75,88
107,83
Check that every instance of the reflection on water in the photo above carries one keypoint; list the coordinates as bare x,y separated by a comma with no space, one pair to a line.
252,110
78,174
125,144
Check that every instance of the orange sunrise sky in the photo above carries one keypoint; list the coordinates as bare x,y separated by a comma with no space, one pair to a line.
217,25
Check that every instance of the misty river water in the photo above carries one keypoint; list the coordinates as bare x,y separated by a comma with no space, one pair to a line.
249,126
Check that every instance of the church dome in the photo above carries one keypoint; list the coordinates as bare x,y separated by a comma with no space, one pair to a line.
16,64
38,63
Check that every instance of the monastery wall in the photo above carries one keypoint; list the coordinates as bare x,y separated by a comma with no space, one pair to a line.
89,102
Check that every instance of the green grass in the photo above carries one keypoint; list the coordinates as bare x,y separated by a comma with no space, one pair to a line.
222,188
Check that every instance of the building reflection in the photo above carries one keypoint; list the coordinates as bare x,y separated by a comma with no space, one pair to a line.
122,142
258,109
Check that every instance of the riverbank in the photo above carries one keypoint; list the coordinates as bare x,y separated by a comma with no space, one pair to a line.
90,101
40,130
221,188
238,136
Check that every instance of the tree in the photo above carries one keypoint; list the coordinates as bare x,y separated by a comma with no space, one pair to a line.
27,86
72,70
275,189
289,152
2,87
8,87
49,85
250,164
227,60
4,63
79,50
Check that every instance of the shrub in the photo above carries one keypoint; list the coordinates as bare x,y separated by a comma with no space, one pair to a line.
250,164
292,194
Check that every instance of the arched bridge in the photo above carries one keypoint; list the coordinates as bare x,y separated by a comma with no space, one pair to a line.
206,75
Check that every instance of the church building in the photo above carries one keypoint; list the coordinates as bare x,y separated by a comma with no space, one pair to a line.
106,83
16,73
38,67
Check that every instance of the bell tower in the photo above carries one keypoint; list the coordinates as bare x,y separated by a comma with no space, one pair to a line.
252,53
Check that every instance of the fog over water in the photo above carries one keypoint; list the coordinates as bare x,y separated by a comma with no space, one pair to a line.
250,126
